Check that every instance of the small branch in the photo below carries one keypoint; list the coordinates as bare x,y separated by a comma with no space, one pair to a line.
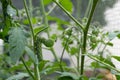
109,66
46,24
54,6
63,53
85,34
27,68
77,22
30,22
34,38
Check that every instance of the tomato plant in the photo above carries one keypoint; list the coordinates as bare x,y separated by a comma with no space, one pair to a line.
27,32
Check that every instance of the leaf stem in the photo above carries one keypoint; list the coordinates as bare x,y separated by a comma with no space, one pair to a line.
63,52
30,22
34,38
27,68
46,24
89,55
85,34
75,20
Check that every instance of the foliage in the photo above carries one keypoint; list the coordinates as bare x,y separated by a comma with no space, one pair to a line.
23,33
17,42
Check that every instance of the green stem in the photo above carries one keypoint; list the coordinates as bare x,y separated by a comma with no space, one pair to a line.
78,13
54,6
34,38
76,21
36,70
46,24
30,22
63,53
30,7
109,66
78,57
54,54
44,14
87,13
27,68
85,34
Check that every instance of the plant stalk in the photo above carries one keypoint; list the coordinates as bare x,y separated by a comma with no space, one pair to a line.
87,13
109,66
78,10
63,53
78,57
75,20
34,38
29,72
46,25
85,34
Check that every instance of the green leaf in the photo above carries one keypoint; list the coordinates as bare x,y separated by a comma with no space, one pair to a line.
31,54
68,76
110,44
48,42
73,50
11,11
17,42
37,30
20,66
34,21
112,35
18,76
46,2
116,57
42,64
118,35
104,60
67,4
60,21
95,65
54,37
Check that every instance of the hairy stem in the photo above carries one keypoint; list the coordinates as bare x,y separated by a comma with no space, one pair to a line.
63,53
31,27
109,66
46,24
27,68
75,20
85,34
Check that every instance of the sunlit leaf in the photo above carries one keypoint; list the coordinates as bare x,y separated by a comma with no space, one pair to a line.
37,30
54,37
26,21
110,44
46,2
104,60
118,35
17,42
73,50
116,57
67,4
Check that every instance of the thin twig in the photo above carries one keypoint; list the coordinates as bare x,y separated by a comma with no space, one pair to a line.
27,68
77,22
